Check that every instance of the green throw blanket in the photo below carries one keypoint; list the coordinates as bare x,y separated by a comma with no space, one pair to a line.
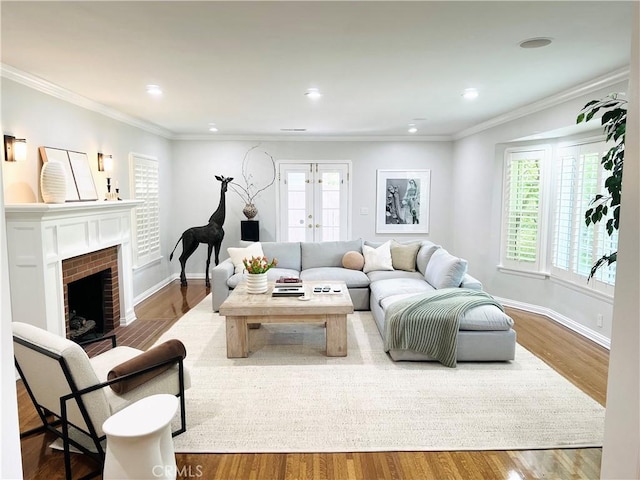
429,323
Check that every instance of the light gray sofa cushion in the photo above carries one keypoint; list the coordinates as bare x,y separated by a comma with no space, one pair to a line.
353,278
444,270
482,318
287,253
326,254
385,288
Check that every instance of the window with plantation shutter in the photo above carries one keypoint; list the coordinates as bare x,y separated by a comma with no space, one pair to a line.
576,246
522,209
145,177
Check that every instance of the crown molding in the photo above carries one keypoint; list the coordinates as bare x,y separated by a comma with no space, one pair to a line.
310,138
583,89
56,91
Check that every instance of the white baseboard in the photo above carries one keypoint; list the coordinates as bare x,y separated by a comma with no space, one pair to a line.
559,318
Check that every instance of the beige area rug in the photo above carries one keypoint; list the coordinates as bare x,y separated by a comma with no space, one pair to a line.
287,396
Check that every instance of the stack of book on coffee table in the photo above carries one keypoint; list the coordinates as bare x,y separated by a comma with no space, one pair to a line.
288,287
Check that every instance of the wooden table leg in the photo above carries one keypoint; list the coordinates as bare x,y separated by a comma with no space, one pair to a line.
336,335
237,337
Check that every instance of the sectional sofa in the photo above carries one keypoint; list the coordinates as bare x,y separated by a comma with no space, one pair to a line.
485,333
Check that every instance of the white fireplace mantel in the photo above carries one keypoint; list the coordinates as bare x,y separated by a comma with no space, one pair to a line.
40,236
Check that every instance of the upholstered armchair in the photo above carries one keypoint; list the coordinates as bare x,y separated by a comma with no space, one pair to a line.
74,394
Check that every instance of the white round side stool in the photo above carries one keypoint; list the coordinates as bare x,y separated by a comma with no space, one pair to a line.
139,443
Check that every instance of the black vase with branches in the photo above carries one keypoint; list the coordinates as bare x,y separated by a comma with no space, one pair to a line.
249,191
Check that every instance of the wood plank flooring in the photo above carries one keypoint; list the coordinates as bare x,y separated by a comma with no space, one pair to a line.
579,360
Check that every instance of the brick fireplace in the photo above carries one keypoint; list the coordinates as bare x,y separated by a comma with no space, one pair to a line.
104,262
51,245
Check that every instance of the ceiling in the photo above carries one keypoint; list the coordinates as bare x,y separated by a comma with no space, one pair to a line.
246,66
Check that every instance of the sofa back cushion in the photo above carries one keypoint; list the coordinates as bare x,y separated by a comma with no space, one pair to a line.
287,253
444,270
424,255
327,254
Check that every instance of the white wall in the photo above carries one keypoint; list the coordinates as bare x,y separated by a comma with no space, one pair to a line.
48,121
476,216
621,450
197,193
10,457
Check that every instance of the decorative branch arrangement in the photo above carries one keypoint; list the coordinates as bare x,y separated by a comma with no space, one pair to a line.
249,191
614,122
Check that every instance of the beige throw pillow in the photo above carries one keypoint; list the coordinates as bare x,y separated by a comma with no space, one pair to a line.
403,256
353,260
238,254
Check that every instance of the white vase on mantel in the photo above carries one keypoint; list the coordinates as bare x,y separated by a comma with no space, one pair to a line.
53,182
256,283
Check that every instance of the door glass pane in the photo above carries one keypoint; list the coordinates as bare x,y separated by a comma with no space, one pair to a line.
330,213
296,206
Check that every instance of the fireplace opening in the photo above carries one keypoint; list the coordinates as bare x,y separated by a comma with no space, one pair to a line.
95,299
87,306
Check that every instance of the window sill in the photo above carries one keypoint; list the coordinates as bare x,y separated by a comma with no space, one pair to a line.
523,273
583,289
560,281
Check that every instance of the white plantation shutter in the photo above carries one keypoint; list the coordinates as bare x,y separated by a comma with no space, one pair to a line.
145,176
576,247
522,200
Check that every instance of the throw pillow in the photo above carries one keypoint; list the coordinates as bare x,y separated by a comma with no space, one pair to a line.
403,256
377,258
444,270
238,254
353,260
161,353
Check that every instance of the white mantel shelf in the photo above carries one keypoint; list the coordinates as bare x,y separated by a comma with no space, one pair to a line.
70,208
41,235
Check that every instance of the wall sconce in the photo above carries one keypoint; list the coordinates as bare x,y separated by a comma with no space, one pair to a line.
15,149
105,162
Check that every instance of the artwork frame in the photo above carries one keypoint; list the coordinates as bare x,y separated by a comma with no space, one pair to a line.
80,184
402,201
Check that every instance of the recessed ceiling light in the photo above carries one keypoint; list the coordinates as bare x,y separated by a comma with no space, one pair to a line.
313,93
470,93
535,42
212,127
154,90
412,128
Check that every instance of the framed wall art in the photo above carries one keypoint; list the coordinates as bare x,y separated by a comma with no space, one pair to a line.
79,180
402,201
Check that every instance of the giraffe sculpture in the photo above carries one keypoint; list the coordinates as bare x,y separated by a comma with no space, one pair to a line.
211,234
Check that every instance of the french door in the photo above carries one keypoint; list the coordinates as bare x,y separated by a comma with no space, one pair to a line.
313,201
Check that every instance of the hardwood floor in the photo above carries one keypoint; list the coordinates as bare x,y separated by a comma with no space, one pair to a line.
579,360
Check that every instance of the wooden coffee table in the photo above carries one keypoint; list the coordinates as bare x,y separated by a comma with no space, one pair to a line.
243,310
